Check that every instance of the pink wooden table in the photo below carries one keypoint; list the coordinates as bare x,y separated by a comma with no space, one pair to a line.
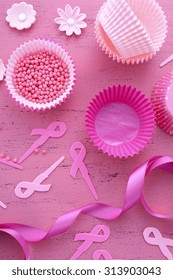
95,71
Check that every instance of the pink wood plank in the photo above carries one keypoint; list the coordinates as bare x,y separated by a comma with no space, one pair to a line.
95,71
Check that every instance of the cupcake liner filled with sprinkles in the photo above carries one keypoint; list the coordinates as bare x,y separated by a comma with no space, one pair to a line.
40,75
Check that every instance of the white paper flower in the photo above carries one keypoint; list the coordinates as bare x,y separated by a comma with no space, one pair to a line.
2,70
71,20
21,16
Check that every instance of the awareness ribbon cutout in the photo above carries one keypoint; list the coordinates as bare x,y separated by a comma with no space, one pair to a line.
11,163
78,153
105,254
159,241
31,187
45,134
169,59
90,238
134,193
2,205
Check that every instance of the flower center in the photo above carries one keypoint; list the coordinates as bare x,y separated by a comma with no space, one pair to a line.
70,21
22,17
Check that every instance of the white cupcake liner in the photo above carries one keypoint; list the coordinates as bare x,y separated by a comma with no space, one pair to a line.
124,29
33,46
153,19
154,22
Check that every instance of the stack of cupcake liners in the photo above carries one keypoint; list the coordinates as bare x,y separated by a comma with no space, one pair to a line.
131,31
124,29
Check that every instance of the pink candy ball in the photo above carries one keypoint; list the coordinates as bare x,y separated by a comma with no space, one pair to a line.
39,74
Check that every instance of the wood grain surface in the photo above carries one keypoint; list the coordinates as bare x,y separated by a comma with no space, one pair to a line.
95,71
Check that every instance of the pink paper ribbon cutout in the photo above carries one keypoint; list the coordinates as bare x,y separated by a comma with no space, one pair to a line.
25,233
31,187
11,163
102,253
158,240
50,131
78,164
90,238
169,59
2,205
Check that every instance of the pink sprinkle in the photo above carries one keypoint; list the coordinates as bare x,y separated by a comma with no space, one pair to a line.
36,151
2,155
44,152
7,158
14,160
40,70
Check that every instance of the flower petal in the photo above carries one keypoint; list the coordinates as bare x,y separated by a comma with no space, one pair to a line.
59,20
2,70
63,27
62,14
80,17
76,12
76,30
69,31
16,10
68,11
82,24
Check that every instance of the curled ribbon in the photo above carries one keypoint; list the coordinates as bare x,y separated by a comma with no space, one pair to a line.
133,194
89,238
45,134
158,240
78,164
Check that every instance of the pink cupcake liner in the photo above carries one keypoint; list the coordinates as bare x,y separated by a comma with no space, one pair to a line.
124,29
120,121
29,47
162,100
154,22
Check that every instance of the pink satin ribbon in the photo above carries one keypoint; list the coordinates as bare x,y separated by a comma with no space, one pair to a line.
89,238
158,240
23,233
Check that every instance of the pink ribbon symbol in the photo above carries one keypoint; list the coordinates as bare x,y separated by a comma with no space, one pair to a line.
89,238
169,59
31,187
78,163
158,240
45,135
2,205
11,163
105,254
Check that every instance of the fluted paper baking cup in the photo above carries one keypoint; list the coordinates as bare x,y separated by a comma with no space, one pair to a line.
120,121
124,29
162,100
31,47
153,20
